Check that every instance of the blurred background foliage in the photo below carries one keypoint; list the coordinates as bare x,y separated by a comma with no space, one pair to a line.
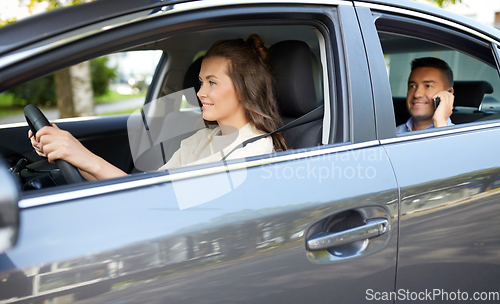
41,91
444,3
102,75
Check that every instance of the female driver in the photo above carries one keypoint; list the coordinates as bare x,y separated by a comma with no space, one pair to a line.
236,92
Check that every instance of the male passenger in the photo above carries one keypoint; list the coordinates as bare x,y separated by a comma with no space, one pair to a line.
430,78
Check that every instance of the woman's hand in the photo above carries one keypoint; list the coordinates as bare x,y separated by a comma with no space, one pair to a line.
35,144
54,143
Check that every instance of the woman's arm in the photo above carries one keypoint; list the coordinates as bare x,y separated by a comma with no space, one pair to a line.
54,143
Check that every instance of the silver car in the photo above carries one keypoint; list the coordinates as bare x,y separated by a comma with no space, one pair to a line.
353,213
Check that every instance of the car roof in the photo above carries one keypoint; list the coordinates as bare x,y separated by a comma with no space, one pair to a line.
437,12
60,20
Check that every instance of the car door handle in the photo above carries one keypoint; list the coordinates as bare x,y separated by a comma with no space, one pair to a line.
372,228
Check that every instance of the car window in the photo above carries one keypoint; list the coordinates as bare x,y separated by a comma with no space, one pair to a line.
112,84
476,79
152,88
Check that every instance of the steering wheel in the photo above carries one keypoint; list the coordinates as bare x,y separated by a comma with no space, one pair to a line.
37,120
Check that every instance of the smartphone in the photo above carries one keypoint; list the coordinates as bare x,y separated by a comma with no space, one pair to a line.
437,100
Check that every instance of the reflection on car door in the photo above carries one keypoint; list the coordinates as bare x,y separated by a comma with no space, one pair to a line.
449,213
245,246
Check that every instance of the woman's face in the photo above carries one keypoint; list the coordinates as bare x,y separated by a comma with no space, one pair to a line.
218,94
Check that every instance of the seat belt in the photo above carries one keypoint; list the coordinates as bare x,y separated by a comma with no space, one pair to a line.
306,118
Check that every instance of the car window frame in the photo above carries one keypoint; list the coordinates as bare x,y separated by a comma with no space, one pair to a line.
413,28
335,88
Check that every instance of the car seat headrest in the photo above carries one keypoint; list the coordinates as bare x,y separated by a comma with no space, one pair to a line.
292,66
470,93
191,79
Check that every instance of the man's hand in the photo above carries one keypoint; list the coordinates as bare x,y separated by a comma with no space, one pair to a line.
444,110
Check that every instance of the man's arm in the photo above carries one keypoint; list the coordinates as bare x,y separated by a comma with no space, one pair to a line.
444,110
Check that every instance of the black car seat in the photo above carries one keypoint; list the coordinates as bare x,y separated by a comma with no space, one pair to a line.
294,70
192,80
400,110
468,96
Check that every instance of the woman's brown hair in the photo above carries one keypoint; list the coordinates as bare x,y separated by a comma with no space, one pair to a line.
251,75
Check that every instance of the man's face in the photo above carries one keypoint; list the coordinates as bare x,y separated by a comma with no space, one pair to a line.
423,84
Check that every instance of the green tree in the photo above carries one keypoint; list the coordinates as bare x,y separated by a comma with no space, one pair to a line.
102,75
52,4
70,87
39,91
31,4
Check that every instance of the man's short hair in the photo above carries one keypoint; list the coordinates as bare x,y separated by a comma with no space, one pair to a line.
432,62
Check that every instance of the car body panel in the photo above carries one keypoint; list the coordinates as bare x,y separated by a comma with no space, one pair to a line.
449,212
359,90
378,79
22,33
246,242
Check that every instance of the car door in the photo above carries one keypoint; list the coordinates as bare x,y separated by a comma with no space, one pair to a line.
317,224
448,177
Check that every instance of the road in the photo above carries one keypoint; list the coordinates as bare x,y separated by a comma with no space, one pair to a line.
99,109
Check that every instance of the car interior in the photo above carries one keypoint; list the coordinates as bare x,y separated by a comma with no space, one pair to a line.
295,53
475,77
299,86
